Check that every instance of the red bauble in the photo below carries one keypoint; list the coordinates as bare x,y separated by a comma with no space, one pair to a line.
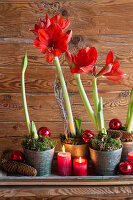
18,156
87,135
44,131
125,168
115,124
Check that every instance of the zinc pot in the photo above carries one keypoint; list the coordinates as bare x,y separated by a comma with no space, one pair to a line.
105,163
81,150
127,147
127,140
40,160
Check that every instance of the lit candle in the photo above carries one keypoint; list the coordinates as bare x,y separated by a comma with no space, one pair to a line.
130,158
64,163
80,167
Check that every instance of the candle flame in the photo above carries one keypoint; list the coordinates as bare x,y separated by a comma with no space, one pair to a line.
63,149
80,160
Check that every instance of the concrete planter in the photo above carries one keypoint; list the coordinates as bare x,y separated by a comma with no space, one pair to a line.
40,160
104,163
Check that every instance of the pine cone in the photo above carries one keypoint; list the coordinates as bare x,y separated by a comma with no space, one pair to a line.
115,133
26,170
123,135
14,167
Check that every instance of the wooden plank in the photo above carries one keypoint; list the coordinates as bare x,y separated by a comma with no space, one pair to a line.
55,180
45,108
41,80
17,129
94,17
13,50
78,192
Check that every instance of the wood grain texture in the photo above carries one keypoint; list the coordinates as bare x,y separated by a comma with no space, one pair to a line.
94,17
45,108
14,49
58,193
41,80
105,24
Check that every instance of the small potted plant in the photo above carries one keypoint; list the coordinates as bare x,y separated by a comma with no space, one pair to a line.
105,151
38,148
125,132
52,42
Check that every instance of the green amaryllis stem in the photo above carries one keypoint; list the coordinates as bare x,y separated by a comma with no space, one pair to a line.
23,93
95,93
100,117
129,113
85,100
66,97
129,122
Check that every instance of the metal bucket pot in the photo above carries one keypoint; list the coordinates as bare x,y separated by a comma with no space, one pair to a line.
81,150
40,160
105,162
127,147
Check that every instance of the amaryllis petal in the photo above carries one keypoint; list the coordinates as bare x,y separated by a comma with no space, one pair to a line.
92,54
59,20
110,58
43,36
42,47
66,24
105,69
87,69
69,33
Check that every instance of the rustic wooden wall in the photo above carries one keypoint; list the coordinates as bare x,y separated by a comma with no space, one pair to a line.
105,24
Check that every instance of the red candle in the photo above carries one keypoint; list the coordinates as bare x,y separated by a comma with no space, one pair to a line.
130,158
64,163
80,167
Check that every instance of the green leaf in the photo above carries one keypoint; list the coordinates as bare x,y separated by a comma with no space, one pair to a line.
34,131
25,62
129,112
78,126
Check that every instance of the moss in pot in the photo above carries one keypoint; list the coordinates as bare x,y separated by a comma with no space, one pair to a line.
38,150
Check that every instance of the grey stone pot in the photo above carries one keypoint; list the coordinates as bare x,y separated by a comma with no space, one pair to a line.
81,150
105,162
127,147
40,160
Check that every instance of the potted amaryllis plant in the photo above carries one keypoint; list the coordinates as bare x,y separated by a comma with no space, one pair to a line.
52,41
38,148
105,151
125,132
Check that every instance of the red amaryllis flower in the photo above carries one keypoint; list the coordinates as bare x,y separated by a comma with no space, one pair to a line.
57,19
51,42
41,25
83,62
111,69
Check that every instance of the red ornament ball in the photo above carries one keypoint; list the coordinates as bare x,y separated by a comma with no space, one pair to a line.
18,156
87,135
115,124
44,131
125,168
